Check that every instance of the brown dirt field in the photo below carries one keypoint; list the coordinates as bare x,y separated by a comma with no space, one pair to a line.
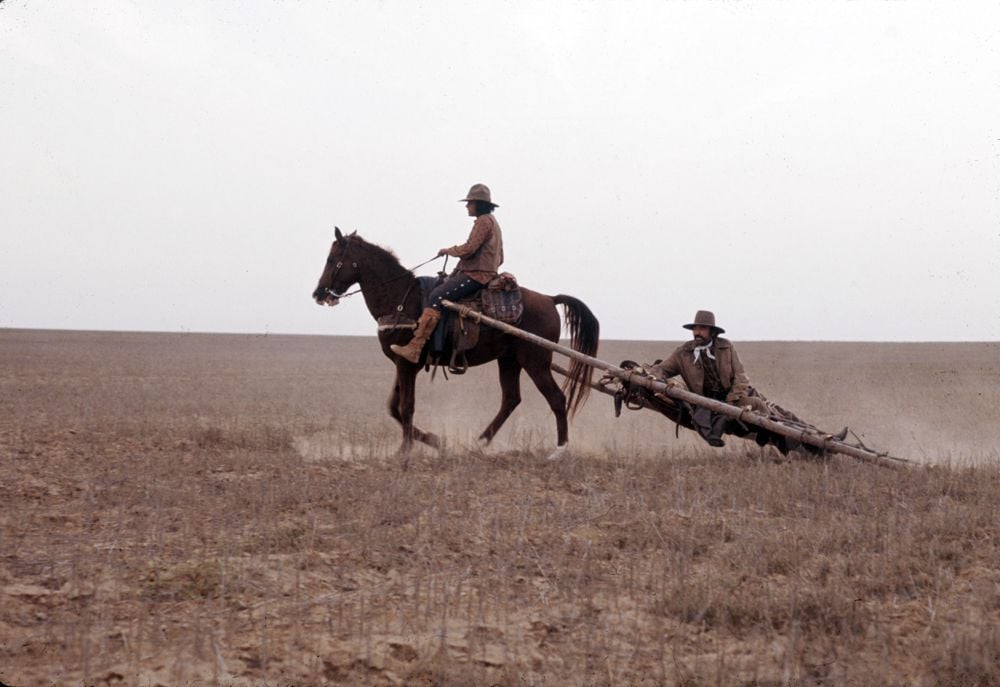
221,509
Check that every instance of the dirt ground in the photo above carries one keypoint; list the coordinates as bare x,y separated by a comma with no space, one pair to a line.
221,509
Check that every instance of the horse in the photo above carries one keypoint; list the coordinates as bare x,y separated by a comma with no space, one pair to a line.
390,291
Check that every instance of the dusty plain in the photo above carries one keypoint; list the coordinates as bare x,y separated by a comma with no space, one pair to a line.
221,509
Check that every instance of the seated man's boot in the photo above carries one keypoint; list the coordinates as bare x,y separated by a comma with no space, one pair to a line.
716,431
709,425
425,326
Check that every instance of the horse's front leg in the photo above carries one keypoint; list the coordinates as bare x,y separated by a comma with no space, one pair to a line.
402,403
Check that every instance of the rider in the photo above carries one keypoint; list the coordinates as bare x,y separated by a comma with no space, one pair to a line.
479,258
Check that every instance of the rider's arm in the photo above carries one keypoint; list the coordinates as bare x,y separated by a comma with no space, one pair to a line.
671,367
482,229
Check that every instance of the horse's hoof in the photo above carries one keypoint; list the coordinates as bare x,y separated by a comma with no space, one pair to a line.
403,454
559,453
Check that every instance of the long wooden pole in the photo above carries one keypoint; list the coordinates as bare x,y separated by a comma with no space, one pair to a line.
822,441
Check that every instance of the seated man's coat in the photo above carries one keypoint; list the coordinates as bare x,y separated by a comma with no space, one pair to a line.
681,362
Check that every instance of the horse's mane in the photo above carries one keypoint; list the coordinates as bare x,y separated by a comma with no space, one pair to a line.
380,252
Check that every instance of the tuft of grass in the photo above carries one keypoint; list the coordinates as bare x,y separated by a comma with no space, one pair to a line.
182,581
260,438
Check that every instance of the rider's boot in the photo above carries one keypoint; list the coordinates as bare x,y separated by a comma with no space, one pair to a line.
425,325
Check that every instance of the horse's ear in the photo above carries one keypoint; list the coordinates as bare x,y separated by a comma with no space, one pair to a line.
336,232
354,233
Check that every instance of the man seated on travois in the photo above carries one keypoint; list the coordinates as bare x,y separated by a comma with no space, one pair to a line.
710,366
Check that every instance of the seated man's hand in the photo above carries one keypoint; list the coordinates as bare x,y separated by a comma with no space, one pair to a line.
443,251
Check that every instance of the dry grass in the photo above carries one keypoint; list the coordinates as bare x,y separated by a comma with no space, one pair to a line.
171,517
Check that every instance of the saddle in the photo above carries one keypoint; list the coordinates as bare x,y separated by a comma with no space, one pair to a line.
454,335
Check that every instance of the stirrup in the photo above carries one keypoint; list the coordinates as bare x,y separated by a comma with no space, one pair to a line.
461,367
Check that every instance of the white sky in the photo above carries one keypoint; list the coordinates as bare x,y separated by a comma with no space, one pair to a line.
807,170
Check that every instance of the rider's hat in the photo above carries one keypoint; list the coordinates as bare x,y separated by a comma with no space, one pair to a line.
705,318
479,192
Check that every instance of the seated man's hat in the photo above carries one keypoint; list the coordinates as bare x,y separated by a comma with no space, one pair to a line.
479,192
705,318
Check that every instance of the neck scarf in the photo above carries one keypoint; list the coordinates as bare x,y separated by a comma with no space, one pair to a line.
707,349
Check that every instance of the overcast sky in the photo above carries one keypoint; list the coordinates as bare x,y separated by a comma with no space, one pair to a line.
807,170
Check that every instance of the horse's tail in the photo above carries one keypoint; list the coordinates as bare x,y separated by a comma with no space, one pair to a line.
584,332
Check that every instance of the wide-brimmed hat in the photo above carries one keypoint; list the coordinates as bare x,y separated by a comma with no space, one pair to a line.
705,318
479,192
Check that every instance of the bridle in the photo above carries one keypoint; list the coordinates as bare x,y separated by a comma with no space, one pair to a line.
340,266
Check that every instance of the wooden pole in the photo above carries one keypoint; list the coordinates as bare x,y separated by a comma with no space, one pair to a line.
822,441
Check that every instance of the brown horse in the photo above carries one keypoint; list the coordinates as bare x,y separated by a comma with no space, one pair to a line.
389,288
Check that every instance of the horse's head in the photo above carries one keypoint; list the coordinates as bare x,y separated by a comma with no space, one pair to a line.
340,272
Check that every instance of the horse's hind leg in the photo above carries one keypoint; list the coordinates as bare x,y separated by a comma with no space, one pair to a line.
402,402
510,385
541,375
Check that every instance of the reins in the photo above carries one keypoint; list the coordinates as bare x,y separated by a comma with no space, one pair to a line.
387,281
